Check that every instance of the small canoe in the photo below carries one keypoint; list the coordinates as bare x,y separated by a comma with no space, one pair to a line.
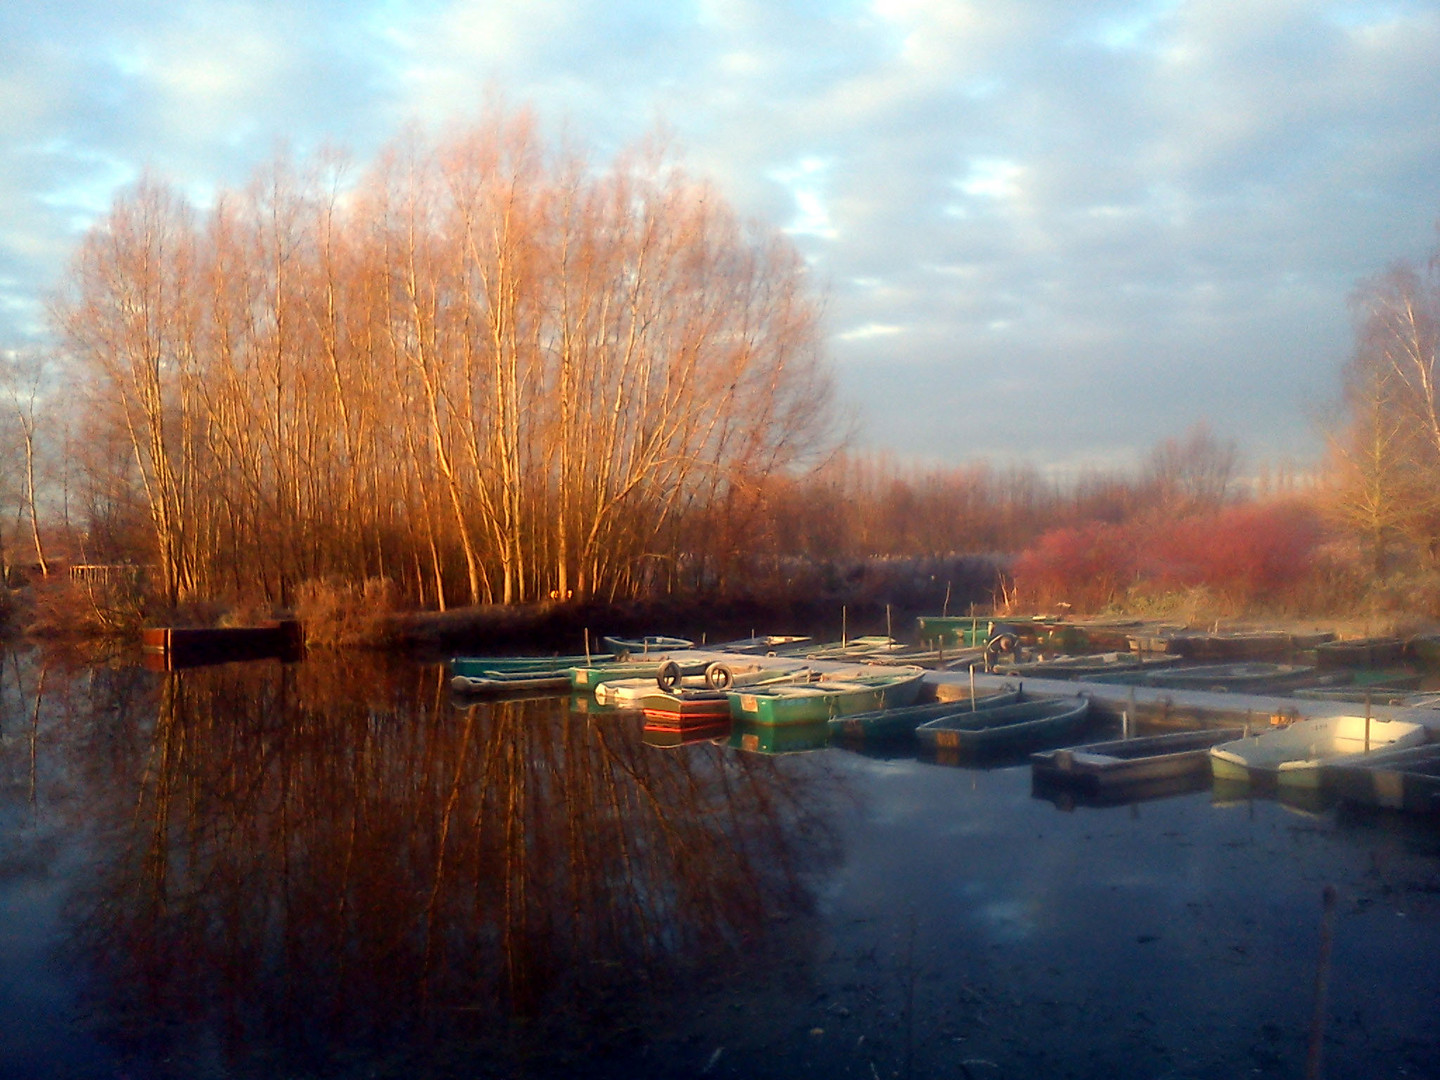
1292,755
1131,761
833,694
1424,650
1007,728
1081,667
881,724
511,683
1359,652
1231,645
644,646
857,648
589,676
1406,779
1248,677
1378,694
485,665
762,645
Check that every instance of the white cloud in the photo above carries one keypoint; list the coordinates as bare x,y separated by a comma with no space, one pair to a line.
870,330
1150,207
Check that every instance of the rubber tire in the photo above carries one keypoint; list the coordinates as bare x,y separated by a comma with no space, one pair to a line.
669,676
718,676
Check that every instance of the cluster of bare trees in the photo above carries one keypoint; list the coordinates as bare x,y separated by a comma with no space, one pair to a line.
1385,460
858,505
483,369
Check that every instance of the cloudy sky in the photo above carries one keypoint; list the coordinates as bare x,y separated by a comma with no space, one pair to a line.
1049,231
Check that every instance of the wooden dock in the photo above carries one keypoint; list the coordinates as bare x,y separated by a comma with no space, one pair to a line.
168,648
1157,707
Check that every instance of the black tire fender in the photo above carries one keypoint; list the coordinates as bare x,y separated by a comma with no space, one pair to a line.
718,676
668,676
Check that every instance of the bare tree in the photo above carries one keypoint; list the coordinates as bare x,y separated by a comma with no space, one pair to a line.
1388,469
1194,472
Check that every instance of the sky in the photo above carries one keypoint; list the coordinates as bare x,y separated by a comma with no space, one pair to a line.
1044,231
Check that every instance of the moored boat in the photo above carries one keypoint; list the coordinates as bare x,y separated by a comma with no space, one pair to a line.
511,683
1359,652
1386,693
1007,728
833,694
485,665
1229,645
957,630
1405,779
1131,761
1292,755
900,723
587,677
1084,667
1424,650
647,645
680,705
1252,677
762,644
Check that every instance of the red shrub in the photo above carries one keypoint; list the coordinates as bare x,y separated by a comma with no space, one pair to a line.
1245,554
1086,567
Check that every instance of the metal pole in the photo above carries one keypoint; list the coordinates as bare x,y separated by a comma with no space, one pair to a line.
1322,980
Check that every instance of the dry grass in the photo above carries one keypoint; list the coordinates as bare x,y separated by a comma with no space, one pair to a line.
339,614
61,608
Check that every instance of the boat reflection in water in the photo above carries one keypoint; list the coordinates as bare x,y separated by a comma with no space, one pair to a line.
304,858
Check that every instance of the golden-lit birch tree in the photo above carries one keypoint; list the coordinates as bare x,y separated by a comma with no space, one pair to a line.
1385,475
483,369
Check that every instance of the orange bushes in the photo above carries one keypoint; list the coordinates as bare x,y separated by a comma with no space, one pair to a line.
1087,566
1243,555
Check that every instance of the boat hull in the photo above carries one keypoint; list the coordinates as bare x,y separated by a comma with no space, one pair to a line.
1007,728
900,723
1132,761
816,703
1293,756
1407,779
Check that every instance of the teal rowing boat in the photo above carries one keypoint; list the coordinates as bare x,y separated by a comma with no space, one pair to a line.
500,684
589,676
1026,725
647,645
479,666
834,694
882,724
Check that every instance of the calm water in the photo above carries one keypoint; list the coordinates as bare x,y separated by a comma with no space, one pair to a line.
331,869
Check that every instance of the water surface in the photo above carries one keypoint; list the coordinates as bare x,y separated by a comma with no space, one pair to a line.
334,869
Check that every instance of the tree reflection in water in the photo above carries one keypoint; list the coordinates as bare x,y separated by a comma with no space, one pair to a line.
304,853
